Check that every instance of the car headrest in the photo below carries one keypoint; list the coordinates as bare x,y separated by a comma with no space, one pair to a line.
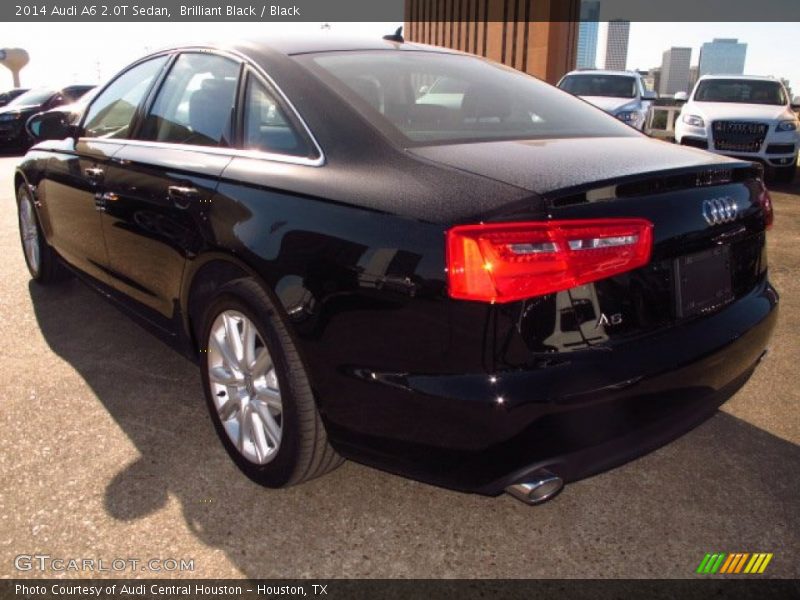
210,107
368,89
481,102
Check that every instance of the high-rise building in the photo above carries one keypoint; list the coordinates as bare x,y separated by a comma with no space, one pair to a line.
694,75
508,32
654,75
587,34
675,71
616,49
723,56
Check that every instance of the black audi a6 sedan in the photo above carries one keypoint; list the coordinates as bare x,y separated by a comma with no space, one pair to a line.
498,288
13,115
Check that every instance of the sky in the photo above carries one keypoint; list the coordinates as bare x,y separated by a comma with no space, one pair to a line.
772,48
90,53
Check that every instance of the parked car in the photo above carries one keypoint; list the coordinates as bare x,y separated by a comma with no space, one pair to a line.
45,126
15,114
622,94
8,96
504,295
742,116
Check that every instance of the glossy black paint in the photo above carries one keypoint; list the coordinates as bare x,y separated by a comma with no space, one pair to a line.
466,395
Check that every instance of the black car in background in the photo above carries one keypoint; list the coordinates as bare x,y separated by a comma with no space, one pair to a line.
14,115
8,96
498,288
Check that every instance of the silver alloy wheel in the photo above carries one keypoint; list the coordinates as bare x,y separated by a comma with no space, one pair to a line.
30,233
244,386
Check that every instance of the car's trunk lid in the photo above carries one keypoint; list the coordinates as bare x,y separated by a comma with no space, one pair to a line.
545,166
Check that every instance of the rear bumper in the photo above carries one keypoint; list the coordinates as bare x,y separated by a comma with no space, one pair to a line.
593,411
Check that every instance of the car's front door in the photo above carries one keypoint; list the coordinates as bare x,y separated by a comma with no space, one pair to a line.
74,188
161,184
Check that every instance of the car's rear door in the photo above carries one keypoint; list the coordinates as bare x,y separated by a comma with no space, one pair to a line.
162,182
73,190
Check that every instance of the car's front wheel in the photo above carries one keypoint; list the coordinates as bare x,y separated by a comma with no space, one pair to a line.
42,261
258,392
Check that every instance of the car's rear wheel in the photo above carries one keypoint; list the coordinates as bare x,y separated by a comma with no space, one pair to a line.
41,260
257,390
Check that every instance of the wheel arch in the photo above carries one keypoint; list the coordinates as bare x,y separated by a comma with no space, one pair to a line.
207,273
20,178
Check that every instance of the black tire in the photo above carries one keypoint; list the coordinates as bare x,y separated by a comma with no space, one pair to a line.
304,452
49,269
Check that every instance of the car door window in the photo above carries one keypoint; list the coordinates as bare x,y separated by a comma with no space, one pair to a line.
111,112
266,127
195,103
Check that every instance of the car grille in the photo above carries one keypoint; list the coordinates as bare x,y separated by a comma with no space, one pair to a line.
739,136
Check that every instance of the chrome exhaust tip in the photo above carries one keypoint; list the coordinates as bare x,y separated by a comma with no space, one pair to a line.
542,486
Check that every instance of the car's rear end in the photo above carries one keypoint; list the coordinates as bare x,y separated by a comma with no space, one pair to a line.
612,308
587,376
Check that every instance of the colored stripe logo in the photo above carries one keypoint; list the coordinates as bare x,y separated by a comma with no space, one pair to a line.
734,563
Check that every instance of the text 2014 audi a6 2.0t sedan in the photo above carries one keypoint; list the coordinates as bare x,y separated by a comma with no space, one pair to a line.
503,291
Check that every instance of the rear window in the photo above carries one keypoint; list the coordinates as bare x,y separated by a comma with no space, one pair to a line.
428,98
741,91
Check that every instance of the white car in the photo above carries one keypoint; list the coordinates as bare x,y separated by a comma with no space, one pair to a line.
619,93
743,116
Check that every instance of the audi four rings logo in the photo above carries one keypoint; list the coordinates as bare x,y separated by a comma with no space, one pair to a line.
720,210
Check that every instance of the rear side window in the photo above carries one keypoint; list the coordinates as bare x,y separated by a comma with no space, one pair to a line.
195,103
266,127
112,111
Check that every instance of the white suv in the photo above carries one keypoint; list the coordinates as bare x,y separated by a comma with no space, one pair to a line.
743,116
619,93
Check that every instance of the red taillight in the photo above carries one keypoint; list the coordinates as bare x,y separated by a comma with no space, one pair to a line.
504,262
765,201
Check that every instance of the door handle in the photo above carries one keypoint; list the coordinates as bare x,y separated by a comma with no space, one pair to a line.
182,195
94,173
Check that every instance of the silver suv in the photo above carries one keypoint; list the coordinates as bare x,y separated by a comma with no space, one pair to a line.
619,93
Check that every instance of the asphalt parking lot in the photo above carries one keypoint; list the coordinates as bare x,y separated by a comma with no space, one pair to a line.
107,452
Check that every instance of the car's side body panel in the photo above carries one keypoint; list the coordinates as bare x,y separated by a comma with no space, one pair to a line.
149,233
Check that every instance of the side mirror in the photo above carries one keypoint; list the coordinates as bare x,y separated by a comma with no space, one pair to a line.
681,97
51,125
650,95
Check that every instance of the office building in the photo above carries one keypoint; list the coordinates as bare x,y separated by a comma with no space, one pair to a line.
616,46
512,32
587,34
723,56
675,71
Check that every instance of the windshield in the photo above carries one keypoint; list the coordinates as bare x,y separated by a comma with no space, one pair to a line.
741,91
428,97
613,86
31,97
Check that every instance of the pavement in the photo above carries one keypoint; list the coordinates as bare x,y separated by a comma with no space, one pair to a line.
107,452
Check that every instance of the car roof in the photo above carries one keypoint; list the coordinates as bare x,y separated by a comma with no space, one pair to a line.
603,72
746,77
291,45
